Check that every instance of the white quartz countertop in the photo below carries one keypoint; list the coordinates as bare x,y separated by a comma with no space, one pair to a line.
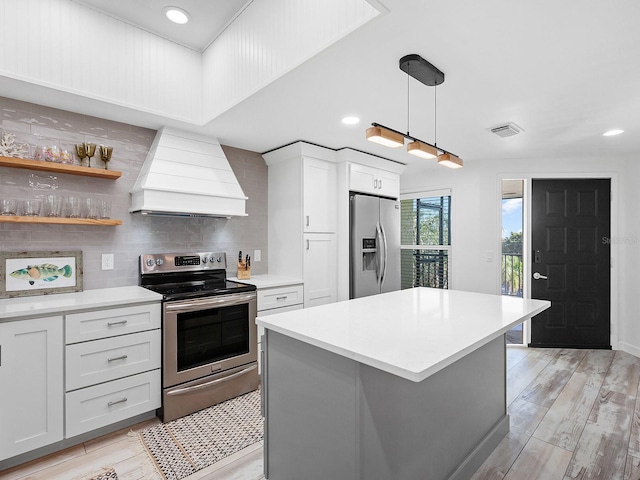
269,281
411,333
16,308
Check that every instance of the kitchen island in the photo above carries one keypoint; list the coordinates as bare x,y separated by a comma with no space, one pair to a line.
404,385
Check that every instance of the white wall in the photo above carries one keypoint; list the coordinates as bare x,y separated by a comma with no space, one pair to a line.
476,224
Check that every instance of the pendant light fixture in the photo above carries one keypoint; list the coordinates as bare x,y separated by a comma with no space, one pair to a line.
422,150
449,160
417,67
385,136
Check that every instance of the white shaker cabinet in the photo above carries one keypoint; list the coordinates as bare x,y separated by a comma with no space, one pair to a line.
31,381
302,218
277,299
319,205
320,269
372,180
113,360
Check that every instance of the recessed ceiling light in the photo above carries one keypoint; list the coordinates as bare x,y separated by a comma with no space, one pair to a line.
177,15
611,133
350,120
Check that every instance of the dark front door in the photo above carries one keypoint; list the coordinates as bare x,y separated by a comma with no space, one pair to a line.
571,262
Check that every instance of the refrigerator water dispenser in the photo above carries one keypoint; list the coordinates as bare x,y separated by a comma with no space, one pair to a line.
369,254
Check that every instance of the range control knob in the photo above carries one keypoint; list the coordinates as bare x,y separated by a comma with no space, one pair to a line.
219,259
150,262
159,262
204,259
212,259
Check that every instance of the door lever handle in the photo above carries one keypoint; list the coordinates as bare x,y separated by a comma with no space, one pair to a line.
538,276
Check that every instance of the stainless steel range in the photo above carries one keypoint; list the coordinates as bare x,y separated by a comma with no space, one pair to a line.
209,334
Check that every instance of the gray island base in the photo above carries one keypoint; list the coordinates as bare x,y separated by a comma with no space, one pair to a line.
330,417
406,385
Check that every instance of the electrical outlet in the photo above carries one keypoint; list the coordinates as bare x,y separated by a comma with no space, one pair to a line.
107,261
488,256
257,255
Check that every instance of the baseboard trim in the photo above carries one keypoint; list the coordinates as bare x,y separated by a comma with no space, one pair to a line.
482,451
630,349
590,347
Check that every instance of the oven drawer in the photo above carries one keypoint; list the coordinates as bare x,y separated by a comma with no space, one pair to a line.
89,363
107,403
279,297
189,397
110,322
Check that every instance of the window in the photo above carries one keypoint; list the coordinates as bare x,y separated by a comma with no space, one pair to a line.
512,266
425,239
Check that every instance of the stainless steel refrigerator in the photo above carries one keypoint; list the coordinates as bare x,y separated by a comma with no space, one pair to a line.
374,252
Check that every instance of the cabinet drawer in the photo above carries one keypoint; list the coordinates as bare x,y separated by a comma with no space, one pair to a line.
81,327
98,361
280,297
107,403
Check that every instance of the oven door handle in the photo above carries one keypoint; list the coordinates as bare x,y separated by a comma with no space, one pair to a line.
185,390
209,302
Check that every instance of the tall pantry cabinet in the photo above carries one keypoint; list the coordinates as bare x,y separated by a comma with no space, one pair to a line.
302,218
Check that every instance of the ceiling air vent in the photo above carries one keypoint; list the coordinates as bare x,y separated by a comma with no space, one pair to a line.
508,130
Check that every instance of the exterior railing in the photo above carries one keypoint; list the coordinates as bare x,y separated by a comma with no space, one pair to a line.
512,269
425,268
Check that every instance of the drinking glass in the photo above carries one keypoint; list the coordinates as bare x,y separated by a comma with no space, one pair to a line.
52,206
8,207
105,154
89,150
91,207
72,207
31,208
80,152
104,209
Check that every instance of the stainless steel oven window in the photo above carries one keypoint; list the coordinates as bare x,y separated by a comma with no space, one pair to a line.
213,335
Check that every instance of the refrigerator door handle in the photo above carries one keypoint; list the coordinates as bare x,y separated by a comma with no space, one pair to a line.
378,254
384,242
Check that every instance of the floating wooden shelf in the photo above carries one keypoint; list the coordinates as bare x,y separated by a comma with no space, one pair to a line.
59,168
60,220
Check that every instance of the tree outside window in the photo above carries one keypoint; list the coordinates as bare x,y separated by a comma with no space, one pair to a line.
425,241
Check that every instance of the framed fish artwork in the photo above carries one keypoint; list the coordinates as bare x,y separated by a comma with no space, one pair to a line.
40,273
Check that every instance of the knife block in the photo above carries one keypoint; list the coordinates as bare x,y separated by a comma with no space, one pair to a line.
244,273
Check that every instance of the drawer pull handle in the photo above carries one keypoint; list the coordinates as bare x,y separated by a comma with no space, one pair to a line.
218,381
284,297
113,359
122,400
120,322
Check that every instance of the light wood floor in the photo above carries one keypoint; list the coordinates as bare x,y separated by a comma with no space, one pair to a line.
574,415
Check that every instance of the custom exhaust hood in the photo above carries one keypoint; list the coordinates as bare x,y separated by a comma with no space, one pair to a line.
186,174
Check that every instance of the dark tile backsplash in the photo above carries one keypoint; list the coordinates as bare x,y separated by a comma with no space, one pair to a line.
36,124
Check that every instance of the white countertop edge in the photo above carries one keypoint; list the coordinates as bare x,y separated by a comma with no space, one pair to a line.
269,281
412,375
19,308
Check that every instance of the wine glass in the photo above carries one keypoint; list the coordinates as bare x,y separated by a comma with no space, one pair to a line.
105,154
90,150
80,152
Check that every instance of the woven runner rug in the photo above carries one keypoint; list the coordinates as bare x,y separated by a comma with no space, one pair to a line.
188,444
108,474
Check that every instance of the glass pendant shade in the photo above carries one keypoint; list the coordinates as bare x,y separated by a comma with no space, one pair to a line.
422,150
385,137
449,160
